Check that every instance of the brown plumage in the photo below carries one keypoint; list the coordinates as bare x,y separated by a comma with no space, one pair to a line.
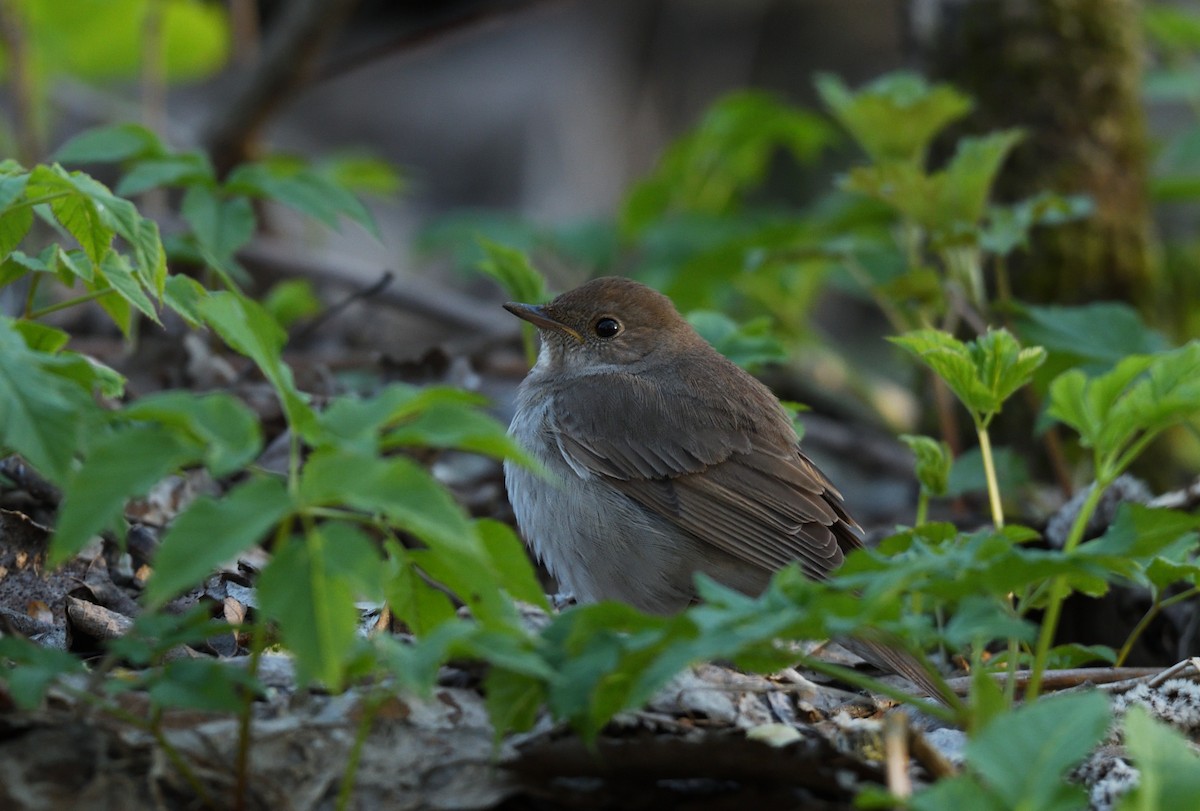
669,459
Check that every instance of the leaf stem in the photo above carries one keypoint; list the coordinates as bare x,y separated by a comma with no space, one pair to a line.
1059,592
63,305
1147,618
989,471
370,710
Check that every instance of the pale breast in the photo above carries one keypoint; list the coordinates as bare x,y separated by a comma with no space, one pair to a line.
598,543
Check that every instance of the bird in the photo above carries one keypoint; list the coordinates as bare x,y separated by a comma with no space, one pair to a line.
662,459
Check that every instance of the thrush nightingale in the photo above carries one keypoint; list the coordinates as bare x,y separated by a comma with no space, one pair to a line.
665,459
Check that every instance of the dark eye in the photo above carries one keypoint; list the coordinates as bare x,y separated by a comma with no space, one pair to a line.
607,327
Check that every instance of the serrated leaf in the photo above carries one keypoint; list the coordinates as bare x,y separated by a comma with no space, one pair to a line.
933,462
14,222
41,414
117,467
1140,397
1101,332
110,144
302,189
416,602
513,700
749,345
250,330
173,170
511,563
1168,767
1024,755
313,606
183,295
74,210
895,117
225,428
35,669
115,272
983,373
460,426
12,186
211,531
207,685
220,225
512,269
40,337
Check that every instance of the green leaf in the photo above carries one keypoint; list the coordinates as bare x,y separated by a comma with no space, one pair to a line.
110,145
512,269
14,225
207,685
75,211
933,462
967,474
1101,333
362,173
220,424
117,467
983,373
313,605
287,181
1008,227
211,531
183,294
456,425
1140,397
895,117
411,500
513,700
186,169
42,414
40,337
34,669
1024,756
250,330
12,186
712,168
104,39
115,271
1169,769
414,600
290,301
749,345
220,226
510,563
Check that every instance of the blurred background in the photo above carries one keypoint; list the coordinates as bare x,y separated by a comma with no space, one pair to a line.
689,143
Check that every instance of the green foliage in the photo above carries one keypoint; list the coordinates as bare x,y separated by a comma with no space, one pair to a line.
1020,760
102,39
357,517
982,373
1168,767
751,344
707,171
291,301
946,202
894,118
1118,413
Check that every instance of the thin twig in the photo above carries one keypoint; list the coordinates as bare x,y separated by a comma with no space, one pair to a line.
333,309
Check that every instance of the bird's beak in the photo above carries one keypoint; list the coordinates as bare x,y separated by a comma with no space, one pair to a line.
541,319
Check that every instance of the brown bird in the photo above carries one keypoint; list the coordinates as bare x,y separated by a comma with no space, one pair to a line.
665,459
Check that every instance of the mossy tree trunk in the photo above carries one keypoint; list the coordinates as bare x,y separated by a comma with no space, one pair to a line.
1068,72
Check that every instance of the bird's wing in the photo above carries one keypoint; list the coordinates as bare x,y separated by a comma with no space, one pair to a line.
737,483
